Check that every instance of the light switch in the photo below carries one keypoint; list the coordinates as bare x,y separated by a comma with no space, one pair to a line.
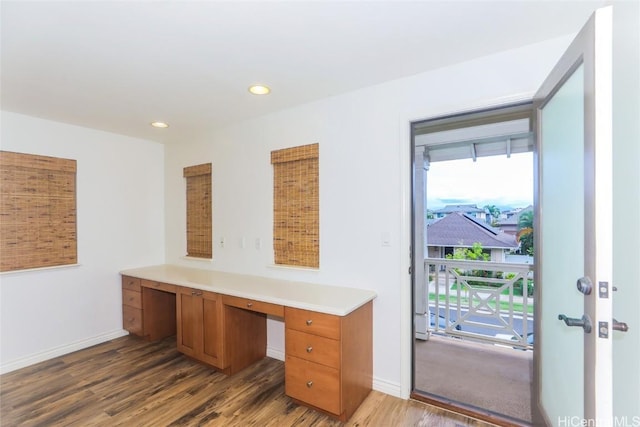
385,238
258,243
221,242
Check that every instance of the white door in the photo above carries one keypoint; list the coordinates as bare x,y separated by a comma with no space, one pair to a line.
574,232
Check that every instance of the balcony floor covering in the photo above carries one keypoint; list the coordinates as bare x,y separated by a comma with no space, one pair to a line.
485,376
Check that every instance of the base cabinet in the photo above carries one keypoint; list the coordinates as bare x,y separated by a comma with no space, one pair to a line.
329,359
148,308
132,305
200,326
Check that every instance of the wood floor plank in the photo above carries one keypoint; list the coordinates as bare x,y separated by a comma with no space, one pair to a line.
131,382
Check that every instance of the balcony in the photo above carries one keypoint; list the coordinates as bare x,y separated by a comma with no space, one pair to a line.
481,301
479,321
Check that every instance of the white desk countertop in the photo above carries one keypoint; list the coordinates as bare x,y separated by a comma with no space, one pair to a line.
335,300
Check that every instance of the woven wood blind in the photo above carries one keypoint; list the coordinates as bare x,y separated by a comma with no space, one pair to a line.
296,225
37,211
199,223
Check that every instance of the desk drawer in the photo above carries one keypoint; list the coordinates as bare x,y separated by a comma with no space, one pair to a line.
312,322
131,283
131,298
314,384
158,285
313,348
132,319
249,304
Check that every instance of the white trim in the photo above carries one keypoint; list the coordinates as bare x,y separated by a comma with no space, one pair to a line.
60,351
404,147
388,387
275,353
293,267
193,258
31,270
603,204
406,308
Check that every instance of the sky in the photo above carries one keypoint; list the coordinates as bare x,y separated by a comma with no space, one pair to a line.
495,180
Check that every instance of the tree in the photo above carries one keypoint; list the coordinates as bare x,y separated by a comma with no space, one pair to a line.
474,253
494,211
525,232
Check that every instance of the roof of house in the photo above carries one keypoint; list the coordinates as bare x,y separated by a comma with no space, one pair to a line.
459,229
459,208
514,219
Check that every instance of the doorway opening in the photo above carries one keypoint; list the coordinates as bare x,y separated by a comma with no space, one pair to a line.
473,262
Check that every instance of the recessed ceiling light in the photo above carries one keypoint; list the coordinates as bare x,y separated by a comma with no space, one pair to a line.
259,90
159,125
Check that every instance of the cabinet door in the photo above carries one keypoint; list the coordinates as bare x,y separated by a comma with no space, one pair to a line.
189,321
212,330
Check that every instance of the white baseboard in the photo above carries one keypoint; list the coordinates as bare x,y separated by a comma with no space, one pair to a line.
32,359
380,385
387,387
275,353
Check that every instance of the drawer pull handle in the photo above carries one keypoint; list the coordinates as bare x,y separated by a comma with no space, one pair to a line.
309,384
309,349
249,304
309,322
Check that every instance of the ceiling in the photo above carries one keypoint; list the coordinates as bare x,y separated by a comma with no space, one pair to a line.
119,65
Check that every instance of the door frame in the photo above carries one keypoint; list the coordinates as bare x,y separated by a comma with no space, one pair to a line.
407,222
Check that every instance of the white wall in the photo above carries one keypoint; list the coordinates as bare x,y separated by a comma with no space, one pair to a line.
120,214
364,185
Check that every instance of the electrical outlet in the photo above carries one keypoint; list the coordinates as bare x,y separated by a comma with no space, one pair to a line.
258,243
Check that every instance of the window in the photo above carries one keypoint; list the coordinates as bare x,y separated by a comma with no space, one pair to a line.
296,230
37,211
199,224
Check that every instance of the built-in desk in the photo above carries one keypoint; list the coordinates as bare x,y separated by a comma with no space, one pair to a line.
220,319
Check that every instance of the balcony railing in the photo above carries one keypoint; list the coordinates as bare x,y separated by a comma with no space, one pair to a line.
481,300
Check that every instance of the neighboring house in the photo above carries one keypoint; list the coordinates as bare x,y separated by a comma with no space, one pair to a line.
472,210
509,225
460,230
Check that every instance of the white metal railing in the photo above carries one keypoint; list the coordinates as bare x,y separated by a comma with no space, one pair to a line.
475,299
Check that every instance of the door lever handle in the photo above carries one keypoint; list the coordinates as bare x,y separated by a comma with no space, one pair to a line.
584,322
619,326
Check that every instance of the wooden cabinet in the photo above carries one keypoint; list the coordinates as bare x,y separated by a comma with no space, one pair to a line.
158,310
329,359
132,305
200,326
253,305
148,308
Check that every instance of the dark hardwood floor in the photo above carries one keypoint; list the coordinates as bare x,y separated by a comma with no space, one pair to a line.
130,382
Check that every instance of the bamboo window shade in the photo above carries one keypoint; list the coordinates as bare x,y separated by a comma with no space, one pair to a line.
37,211
199,221
296,228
